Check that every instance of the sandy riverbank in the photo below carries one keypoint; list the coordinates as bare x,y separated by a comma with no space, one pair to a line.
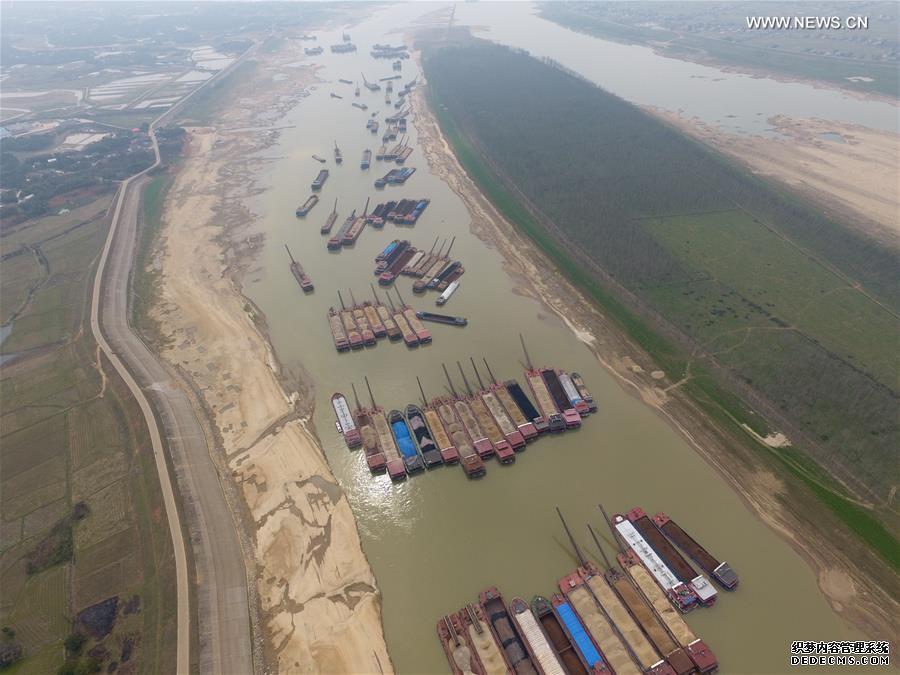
851,587
851,170
318,606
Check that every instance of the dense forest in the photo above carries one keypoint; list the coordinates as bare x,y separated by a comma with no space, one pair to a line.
788,308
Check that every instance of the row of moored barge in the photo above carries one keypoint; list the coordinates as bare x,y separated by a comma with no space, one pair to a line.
601,620
403,212
364,323
470,426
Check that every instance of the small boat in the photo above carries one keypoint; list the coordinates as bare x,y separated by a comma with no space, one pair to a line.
320,180
412,460
343,81
306,207
345,424
312,51
338,157
319,159
361,106
426,443
333,95
366,159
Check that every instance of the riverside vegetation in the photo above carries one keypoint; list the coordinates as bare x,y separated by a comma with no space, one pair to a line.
769,313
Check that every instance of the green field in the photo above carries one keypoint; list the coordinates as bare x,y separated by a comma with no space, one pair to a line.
786,310
79,494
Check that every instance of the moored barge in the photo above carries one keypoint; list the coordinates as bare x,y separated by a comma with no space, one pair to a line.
442,318
581,406
412,460
320,180
395,466
595,620
344,421
329,222
427,445
375,458
472,464
338,239
704,590
542,651
682,595
720,571
559,640
585,647
696,649
303,280
514,647
561,401
521,401
492,658
338,334
583,390
447,294
306,206
463,658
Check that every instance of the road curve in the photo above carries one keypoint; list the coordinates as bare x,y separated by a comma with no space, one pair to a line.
220,579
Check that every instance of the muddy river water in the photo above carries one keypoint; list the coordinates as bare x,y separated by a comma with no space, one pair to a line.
437,539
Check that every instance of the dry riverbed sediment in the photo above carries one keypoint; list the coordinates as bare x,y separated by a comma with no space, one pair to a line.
319,607
851,170
856,589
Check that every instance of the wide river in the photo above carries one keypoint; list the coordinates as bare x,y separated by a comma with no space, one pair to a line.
437,539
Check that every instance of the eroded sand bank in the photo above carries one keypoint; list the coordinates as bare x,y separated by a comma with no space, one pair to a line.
849,169
319,606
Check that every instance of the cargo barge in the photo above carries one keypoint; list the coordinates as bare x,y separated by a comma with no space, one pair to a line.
423,438
517,651
396,467
683,596
362,321
320,180
449,453
696,650
374,320
621,621
447,294
306,207
353,232
366,159
583,390
395,177
644,614
462,657
505,453
550,417
302,279
481,637
579,636
596,622
344,421
336,241
720,571
423,334
329,222
704,590
480,441
350,327
443,318
390,326
521,402
412,460
472,464
409,336
557,637
561,401
338,333
375,458
510,432
542,651
572,393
